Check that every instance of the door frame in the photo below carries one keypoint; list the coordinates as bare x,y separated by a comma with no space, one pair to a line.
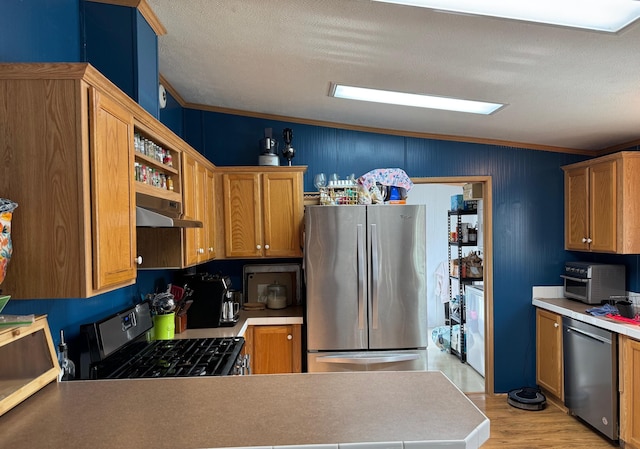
487,198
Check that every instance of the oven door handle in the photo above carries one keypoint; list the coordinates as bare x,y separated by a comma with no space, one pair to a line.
584,281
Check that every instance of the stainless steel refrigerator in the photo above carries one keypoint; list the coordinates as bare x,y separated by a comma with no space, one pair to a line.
366,289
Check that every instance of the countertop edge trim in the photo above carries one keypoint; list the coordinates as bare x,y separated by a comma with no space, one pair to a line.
629,330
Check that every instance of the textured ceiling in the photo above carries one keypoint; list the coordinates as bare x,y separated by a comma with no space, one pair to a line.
563,87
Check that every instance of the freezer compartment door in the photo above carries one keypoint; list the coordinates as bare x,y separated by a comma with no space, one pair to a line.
397,285
414,360
336,276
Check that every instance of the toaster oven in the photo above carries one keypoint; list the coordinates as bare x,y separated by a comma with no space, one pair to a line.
593,283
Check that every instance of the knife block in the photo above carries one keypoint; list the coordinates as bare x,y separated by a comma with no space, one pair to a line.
181,323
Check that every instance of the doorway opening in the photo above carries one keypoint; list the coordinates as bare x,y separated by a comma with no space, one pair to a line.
436,193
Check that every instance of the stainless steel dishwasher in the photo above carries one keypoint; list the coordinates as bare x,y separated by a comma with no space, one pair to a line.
591,375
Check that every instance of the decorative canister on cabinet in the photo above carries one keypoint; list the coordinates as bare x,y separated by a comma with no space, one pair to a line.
6,249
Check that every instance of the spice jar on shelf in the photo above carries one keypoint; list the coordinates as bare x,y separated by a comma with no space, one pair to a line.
473,235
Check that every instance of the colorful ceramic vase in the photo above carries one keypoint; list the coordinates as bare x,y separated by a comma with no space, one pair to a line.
6,212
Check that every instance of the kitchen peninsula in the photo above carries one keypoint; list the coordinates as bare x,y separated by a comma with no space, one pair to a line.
400,409
413,410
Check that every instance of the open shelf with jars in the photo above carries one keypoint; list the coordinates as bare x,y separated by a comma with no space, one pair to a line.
156,168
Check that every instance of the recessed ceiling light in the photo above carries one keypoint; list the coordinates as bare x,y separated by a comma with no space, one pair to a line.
416,100
601,15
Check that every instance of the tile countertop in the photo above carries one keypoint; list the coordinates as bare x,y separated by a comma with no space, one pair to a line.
288,315
576,310
359,410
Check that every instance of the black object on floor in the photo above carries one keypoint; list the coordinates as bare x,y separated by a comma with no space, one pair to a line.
527,398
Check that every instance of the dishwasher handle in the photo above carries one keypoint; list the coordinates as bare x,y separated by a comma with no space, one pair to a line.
588,335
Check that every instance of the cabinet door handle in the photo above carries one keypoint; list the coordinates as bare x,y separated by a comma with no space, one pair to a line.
589,240
556,325
266,246
289,337
138,260
211,249
258,247
584,240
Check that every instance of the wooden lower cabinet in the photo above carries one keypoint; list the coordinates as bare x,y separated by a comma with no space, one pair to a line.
630,392
549,364
274,349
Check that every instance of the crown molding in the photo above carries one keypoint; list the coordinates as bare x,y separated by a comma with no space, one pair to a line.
144,9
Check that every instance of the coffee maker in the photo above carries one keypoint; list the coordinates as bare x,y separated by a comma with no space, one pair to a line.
213,303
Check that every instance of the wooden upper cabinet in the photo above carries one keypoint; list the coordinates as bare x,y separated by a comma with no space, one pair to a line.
66,140
242,215
112,192
190,208
283,213
549,363
209,218
602,204
576,188
198,192
201,196
263,211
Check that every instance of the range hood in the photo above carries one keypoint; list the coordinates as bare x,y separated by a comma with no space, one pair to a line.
154,212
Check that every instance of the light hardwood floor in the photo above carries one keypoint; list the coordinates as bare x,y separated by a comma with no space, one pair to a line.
551,428
461,374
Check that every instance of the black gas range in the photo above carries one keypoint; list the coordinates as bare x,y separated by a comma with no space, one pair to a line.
117,348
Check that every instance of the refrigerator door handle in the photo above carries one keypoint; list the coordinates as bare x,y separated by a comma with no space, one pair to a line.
361,276
374,276
366,360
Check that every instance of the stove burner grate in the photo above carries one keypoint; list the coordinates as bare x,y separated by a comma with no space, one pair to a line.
173,358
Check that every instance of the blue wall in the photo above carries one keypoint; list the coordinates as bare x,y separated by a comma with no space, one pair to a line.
39,31
172,115
528,205
118,41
